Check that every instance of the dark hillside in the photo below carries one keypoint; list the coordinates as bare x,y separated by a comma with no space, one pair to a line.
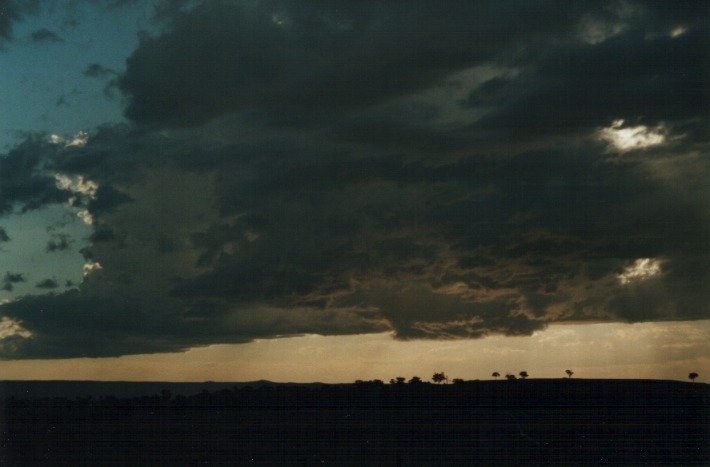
530,422
121,389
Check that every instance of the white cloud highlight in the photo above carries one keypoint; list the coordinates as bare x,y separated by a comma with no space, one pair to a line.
678,31
77,184
625,139
641,270
90,268
9,328
78,140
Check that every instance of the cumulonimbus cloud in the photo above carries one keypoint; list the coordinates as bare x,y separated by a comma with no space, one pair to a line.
297,167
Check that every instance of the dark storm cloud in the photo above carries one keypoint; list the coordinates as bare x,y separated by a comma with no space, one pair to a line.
107,326
350,167
313,57
98,327
660,79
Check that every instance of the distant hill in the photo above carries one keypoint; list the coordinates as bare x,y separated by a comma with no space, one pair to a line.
127,389
71,389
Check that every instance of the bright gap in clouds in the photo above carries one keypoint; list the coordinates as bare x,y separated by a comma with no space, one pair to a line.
642,269
629,138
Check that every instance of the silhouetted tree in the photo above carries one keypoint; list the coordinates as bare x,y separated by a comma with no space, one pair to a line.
692,376
458,381
510,377
495,374
439,377
569,373
415,380
398,380
523,374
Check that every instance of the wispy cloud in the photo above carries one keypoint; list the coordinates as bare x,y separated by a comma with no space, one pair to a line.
44,36
10,279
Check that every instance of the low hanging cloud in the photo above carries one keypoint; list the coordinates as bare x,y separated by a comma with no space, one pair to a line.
341,168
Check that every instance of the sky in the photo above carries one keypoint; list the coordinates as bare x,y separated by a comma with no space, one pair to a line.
337,190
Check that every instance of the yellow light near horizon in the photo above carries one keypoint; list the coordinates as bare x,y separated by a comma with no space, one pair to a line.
667,350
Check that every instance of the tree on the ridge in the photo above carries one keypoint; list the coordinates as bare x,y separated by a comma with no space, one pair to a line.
523,374
692,376
510,377
439,378
495,374
569,373
415,380
398,380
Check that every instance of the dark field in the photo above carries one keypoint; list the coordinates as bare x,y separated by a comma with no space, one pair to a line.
523,422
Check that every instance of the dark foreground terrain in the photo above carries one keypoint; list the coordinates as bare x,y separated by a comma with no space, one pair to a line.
530,422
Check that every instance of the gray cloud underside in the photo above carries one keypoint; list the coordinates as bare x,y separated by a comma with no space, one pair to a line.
348,167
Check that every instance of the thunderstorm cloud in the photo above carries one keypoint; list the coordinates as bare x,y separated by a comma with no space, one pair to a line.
437,170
